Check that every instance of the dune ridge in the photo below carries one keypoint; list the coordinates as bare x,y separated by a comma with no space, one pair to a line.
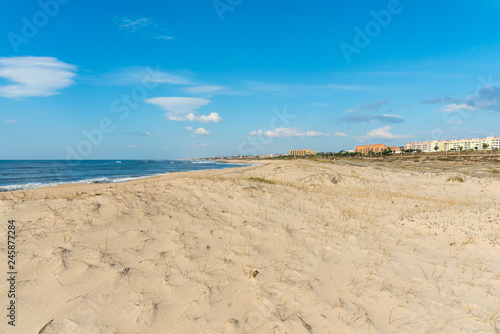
284,247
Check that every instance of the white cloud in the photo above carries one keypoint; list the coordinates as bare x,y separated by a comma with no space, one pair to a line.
164,37
340,134
10,121
358,117
298,89
131,146
34,76
178,105
147,74
383,133
213,117
146,134
134,24
207,89
487,98
286,133
368,106
143,27
184,108
199,131
455,107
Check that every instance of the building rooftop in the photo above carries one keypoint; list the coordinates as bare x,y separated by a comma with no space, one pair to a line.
371,145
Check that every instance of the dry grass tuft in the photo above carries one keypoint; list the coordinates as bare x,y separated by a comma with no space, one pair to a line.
456,179
262,180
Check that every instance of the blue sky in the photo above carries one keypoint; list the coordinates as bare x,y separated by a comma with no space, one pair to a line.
181,79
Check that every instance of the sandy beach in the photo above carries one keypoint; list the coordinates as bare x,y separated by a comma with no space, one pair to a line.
283,247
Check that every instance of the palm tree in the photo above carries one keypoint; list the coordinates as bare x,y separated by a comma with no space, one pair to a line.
485,146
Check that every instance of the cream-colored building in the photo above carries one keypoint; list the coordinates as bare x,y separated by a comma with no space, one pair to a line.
302,153
492,143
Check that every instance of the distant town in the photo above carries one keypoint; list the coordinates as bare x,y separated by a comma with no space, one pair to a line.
456,145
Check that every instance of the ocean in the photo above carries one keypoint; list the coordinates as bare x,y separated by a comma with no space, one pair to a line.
28,174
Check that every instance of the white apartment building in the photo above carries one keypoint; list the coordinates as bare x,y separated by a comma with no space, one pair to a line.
492,143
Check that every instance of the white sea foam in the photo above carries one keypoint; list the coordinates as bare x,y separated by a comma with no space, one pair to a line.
33,185
17,187
205,162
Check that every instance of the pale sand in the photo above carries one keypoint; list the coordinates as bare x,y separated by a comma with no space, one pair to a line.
374,251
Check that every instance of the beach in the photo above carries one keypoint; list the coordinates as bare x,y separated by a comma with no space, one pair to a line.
290,246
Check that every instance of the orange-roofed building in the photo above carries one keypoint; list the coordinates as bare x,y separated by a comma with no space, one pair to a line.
366,149
395,149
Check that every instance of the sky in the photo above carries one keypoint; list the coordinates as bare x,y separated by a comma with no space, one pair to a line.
189,79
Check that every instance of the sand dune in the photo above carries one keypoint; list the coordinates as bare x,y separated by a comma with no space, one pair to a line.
286,247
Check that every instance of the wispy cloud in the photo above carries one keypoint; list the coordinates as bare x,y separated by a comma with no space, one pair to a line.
287,133
133,24
184,108
34,76
425,74
382,118
456,107
368,106
487,98
144,134
10,121
443,100
194,144
206,89
133,75
299,90
199,131
143,27
163,37
340,134
373,105
131,146
383,133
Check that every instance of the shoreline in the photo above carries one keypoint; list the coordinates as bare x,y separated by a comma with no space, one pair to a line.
113,181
